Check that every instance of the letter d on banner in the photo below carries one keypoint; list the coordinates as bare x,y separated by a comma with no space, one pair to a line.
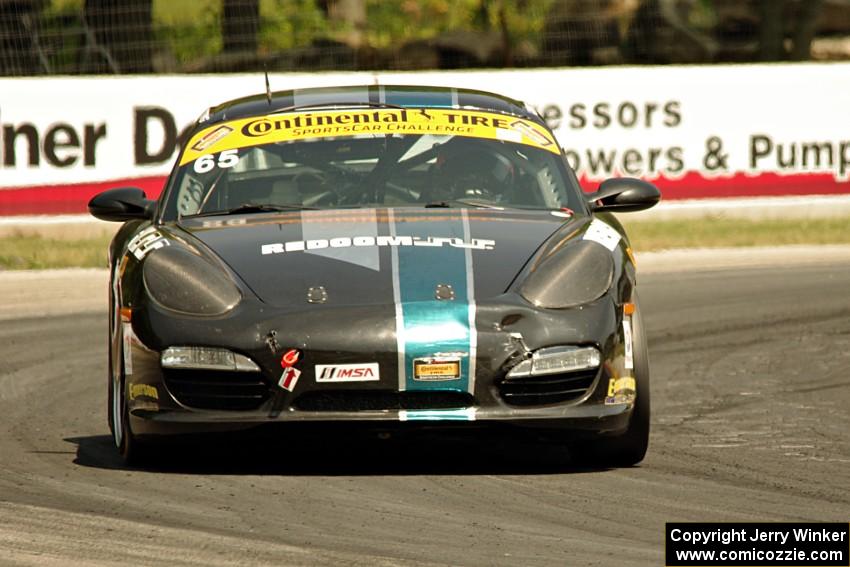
142,117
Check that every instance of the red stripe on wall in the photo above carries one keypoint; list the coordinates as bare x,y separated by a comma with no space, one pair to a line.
68,199
694,185
72,199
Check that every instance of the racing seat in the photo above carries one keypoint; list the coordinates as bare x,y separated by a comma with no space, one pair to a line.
256,191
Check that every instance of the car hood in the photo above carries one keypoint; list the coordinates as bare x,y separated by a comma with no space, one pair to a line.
376,256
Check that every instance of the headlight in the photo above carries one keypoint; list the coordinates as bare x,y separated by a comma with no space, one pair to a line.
576,274
185,282
207,358
557,360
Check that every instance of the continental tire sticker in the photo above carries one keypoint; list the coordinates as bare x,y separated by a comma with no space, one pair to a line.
274,128
436,369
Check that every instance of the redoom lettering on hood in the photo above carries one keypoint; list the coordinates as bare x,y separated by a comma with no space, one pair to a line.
359,241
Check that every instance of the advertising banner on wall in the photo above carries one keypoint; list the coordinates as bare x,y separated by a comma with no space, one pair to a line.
697,132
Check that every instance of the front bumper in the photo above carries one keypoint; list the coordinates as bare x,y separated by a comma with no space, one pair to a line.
156,408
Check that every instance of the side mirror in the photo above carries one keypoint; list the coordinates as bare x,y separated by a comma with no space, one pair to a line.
623,194
123,204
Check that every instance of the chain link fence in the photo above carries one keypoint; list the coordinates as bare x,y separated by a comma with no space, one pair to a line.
62,37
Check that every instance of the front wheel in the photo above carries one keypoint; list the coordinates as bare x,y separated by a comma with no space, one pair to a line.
629,448
132,451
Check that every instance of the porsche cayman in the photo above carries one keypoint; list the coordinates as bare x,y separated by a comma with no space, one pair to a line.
388,255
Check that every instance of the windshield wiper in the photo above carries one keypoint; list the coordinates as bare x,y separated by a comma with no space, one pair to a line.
468,202
251,208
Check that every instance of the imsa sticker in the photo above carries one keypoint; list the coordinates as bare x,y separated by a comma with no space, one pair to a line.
367,372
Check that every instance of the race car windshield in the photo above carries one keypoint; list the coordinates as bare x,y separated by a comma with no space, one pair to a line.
373,170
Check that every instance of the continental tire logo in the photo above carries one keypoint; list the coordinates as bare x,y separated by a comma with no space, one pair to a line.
258,128
340,122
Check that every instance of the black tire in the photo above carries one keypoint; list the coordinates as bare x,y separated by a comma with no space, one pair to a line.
109,396
132,451
628,448
110,369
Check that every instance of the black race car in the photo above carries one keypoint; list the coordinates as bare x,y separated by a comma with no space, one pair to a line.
379,255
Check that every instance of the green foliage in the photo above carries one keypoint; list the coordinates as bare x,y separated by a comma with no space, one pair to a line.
702,15
391,23
64,6
388,21
526,19
60,31
290,23
189,29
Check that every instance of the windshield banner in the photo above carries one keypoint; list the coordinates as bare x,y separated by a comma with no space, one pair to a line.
287,127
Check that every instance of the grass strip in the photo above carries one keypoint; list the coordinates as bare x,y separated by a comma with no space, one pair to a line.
32,251
717,233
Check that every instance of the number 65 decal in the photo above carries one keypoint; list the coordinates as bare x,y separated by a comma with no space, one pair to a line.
226,159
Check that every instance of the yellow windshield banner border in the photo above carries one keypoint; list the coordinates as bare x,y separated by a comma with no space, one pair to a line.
274,128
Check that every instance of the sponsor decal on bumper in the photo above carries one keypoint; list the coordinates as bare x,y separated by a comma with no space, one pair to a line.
367,372
621,390
289,378
436,369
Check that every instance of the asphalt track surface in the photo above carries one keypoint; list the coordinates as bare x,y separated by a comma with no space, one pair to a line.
750,389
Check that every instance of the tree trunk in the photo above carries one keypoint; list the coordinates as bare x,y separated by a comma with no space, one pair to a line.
240,24
351,14
19,52
123,29
771,32
807,26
